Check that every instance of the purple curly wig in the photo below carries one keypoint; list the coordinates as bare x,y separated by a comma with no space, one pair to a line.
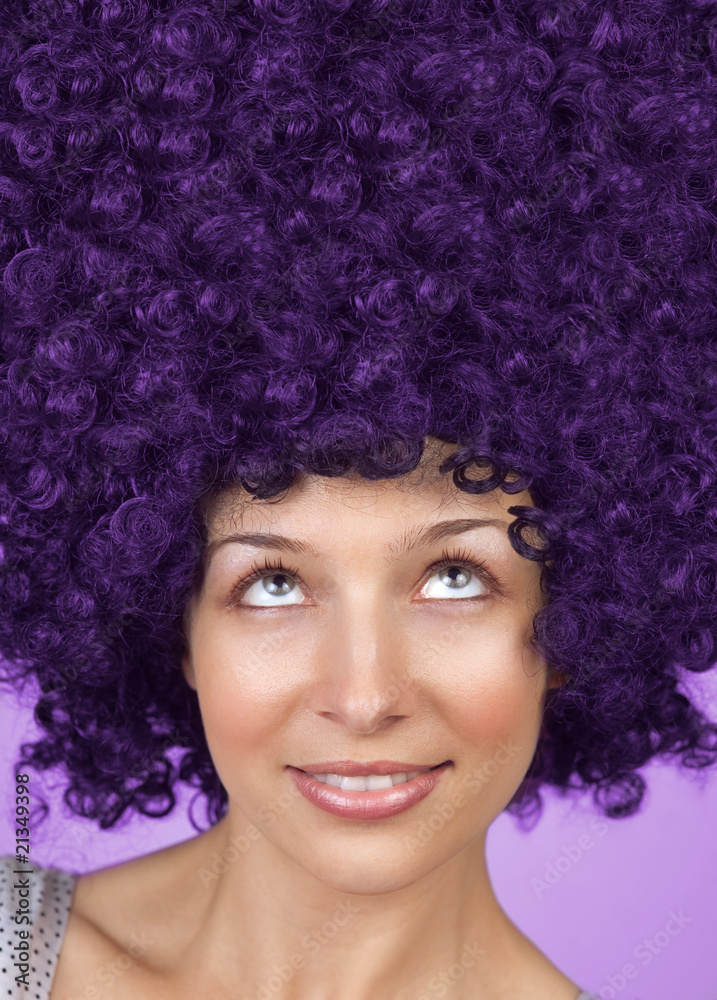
242,239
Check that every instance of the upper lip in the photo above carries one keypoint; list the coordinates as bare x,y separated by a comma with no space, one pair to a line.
352,768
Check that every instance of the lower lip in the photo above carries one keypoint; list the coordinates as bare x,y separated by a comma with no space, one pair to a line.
377,804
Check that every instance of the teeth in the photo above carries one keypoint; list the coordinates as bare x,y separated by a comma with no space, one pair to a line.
366,783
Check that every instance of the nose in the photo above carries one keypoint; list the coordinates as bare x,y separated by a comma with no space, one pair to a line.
363,677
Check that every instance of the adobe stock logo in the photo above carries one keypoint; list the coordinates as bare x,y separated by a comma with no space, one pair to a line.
439,985
442,813
645,953
571,854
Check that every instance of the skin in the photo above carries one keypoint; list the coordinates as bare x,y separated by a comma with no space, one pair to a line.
376,662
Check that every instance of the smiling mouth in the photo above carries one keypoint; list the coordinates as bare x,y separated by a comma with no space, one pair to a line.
370,782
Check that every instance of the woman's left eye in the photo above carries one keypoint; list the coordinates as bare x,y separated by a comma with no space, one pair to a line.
454,581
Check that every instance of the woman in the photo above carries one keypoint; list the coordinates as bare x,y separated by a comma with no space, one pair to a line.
358,396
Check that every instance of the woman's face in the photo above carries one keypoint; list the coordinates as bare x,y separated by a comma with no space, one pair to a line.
389,626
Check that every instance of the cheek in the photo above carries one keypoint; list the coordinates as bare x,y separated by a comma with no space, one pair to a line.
242,694
490,682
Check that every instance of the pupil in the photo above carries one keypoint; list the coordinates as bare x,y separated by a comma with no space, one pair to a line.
278,589
454,576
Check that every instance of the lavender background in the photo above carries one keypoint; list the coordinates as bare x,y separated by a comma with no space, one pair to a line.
600,907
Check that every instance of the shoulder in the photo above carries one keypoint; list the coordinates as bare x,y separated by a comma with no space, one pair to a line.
146,892
34,905
129,923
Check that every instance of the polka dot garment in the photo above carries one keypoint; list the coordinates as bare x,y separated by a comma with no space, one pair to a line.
47,906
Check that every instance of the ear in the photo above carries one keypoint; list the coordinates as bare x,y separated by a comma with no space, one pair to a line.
556,678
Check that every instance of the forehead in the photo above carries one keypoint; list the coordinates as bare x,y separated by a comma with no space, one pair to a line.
313,503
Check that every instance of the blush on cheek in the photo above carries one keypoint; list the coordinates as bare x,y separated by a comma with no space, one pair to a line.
240,731
494,715
499,729
241,700
499,701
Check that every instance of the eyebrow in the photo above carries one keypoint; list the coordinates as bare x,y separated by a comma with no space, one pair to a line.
443,529
408,541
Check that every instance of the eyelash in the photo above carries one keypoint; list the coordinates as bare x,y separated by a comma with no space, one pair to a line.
449,557
257,571
460,557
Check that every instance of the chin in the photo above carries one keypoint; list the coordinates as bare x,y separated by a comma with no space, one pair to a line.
371,869
360,882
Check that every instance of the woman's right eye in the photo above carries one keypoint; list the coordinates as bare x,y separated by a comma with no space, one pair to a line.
273,590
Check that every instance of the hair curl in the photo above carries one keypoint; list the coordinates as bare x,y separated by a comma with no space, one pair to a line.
239,240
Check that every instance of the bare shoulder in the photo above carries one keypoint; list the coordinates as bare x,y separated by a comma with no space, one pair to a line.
129,922
534,975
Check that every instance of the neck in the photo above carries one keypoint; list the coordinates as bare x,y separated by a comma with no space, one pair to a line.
269,925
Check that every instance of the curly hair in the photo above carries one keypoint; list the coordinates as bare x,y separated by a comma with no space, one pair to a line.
242,240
